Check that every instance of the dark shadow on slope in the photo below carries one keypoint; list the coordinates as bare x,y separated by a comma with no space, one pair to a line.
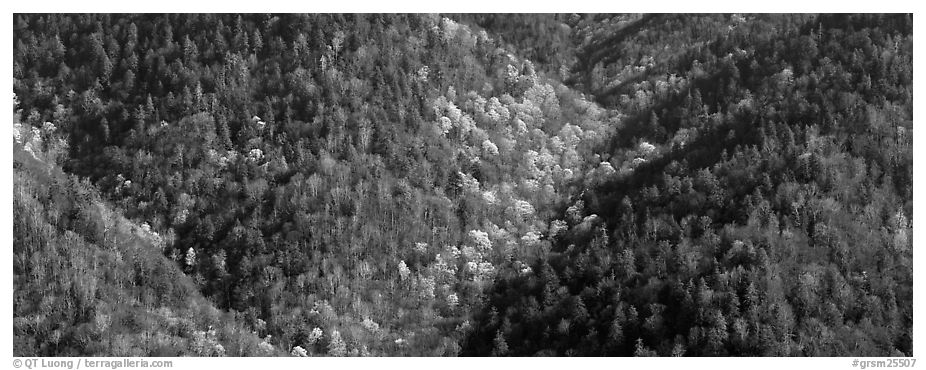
599,49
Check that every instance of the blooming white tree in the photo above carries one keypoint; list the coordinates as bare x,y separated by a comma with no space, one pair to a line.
489,148
426,287
472,267
557,227
255,155
468,183
337,347
606,169
190,257
530,185
497,112
404,272
522,208
471,253
480,239
449,29
315,335
452,300
530,239
646,148
205,343
265,347
422,74
900,224
299,352
485,270
444,124
512,73
489,197
370,325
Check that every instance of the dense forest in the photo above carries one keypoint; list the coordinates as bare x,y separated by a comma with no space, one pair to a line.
463,184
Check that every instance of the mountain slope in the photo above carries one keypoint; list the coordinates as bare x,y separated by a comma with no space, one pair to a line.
89,282
349,183
410,184
761,201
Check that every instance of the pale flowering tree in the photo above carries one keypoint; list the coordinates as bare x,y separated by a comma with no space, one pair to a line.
472,267
299,352
530,239
449,29
785,77
370,325
480,239
258,122
522,208
466,124
489,148
315,336
255,155
575,211
545,97
471,253
205,343
545,159
600,174
646,148
452,300
17,133
404,272
497,112
337,347
426,287
512,74
485,270
530,186
900,225
530,163
520,127
489,197
443,270
422,74
49,128
468,183
567,174
444,124
557,227
605,169
453,112
454,252
496,232
190,258
265,348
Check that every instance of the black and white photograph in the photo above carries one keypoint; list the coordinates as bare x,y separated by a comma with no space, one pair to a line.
462,185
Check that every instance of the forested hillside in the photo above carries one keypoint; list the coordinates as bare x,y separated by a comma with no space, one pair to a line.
463,184
89,282
759,202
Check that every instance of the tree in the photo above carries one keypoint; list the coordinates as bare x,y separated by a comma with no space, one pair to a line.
336,346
